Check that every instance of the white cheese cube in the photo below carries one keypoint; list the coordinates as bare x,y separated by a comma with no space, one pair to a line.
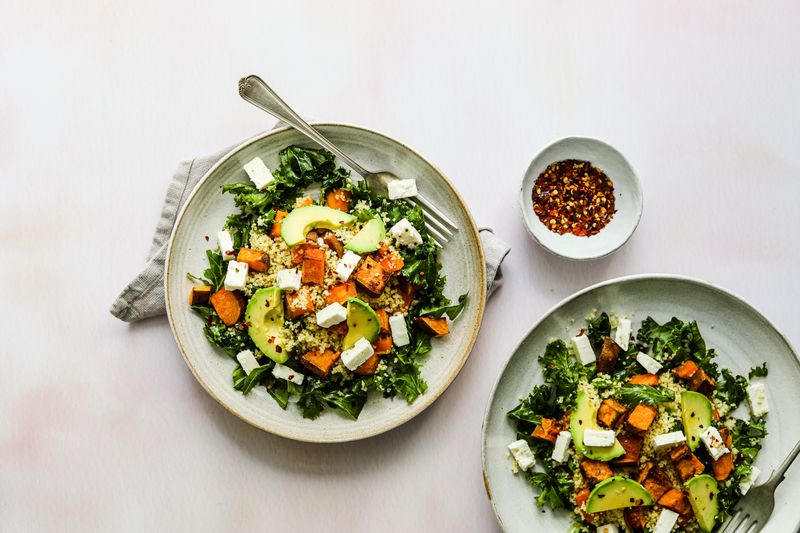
666,521
236,277
757,397
522,454
397,323
748,482
247,360
405,234
598,437
713,442
623,334
347,264
561,447
225,244
289,374
668,440
355,356
649,364
288,279
258,172
402,189
331,315
608,528
583,349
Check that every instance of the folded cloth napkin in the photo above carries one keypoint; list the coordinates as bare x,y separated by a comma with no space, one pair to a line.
143,297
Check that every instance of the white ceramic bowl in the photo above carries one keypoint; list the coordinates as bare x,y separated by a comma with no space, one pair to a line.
627,198
742,336
204,214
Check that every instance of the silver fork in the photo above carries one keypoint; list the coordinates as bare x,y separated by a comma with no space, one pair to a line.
257,92
753,511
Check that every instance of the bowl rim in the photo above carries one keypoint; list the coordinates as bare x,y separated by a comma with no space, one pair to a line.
524,200
423,402
577,294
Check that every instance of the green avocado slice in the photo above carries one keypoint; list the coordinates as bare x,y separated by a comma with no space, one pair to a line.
361,322
369,238
697,414
616,493
264,316
296,225
583,417
703,490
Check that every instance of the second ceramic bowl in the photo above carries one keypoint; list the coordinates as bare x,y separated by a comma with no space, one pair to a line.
627,198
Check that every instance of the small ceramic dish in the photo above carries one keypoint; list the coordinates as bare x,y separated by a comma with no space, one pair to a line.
627,198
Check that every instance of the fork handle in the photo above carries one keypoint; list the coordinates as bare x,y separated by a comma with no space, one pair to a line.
778,475
257,92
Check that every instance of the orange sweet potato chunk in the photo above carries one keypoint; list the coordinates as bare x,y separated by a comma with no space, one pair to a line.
199,294
228,305
275,232
341,292
338,199
320,363
435,327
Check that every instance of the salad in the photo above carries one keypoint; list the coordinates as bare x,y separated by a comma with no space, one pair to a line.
316,300
639,433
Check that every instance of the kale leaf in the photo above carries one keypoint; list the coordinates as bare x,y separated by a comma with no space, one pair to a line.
731,389
562,370
758,371
598,329
675,342
555,487
632,395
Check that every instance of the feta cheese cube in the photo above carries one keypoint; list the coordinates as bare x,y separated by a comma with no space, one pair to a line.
258,172
561,446
583,349
748,482
225,244
236,276
668,440
666,521
288,279
608,528
405,234
331,315
355,356
397,323
347,264
649,364
402,189
623,334
757,397
713,442
522,454
289,374
247,360
598,437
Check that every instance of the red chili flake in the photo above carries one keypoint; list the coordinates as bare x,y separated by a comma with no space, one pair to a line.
574,196
206,237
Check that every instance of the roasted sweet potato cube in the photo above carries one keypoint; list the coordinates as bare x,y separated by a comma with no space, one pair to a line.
634,519
341,292
633,450
685,462
338,199
199,294
383,345
299,303
275,232
723,467
610,412
641,418
702,383
580,502
644,379
608,355
372,277
388,259
340,328
299,252
547,430
679,452
654,480
407,291
304,201
675,500
383,320
320,363
369,366
595,471
334,243
228,305
256,260
686,370
313,271
435,327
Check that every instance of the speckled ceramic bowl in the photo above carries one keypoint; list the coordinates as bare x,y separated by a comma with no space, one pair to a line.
627,198
204,214
742,336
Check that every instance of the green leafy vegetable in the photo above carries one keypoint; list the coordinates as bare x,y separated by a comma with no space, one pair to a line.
632,395
598,329
758,371
747,436
562,370
731,389
555,487
452,311
245,382
676,341
230,338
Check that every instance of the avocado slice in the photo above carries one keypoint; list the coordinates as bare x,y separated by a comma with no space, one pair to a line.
296,225
583,417
369,238
617,492
264,316
703,490
361,322
697,414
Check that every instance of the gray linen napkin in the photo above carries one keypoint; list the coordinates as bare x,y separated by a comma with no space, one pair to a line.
143,297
